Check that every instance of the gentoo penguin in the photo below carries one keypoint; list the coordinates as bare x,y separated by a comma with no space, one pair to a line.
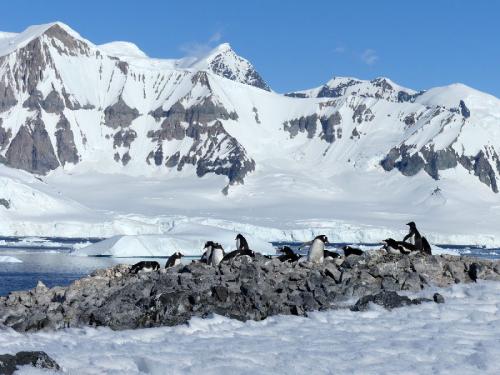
331,255
348,250
414,236
216,255
426,247
287,255
174,260
316,249
242,249
241,243
209,245
396,247
146,266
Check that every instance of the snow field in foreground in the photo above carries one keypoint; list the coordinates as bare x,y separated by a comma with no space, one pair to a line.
457,337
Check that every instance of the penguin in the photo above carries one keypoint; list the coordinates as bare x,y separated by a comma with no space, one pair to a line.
330,255
472,272
287,255
238,253
397,247
241,242
209,245
414,235
242,249
174,260
316,249
426,247
146,266
216,255
348,250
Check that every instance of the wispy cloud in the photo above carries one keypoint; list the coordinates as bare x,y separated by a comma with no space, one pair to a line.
339,49
369,56
197,49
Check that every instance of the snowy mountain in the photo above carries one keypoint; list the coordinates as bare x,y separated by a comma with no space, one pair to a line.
72,112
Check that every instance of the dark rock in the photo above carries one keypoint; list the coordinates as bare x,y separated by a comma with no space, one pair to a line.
53,103
10,363
387,299
65,141
119,115
438,298
464,110
4,202
302,124
31,149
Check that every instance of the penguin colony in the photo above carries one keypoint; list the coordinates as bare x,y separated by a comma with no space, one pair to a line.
214,254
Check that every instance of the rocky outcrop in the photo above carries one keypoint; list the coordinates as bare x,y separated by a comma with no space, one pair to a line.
244,289
409,162
9,364
303,124
31,149
66,148
392,300
119,115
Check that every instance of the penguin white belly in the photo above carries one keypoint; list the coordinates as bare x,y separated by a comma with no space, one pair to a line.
147,269
177,262
392,250
316,252
217,256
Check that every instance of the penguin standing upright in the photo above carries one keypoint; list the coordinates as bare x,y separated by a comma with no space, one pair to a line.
207,252
242,249
217,254
174,260
414,236
316,249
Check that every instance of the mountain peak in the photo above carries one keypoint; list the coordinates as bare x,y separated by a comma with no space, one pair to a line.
15,41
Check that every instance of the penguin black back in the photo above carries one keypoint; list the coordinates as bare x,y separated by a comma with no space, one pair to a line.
145,264
287,255
348,250
331,254
237,253
241,243
174,260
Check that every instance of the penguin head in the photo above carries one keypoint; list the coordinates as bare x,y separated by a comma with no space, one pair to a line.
390,242
217,245
178,255
208,245
285,250
411,224
322,238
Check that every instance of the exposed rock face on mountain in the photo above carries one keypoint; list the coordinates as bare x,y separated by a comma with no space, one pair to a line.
65,102
244,289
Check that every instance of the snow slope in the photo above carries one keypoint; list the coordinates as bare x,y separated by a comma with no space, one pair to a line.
139,142
459,336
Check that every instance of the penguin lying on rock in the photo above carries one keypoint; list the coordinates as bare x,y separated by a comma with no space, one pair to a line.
288,255
348,250
146,266
398,247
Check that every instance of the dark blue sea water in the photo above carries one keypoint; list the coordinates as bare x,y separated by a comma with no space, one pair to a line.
49,260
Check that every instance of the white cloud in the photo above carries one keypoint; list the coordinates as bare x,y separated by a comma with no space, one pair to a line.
369,56
198,49
339,50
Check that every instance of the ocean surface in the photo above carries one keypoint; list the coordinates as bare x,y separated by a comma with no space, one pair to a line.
50,260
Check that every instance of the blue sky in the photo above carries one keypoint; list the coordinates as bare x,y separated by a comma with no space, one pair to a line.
298,44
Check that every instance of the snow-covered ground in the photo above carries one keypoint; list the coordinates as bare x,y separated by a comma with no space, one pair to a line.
457,337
